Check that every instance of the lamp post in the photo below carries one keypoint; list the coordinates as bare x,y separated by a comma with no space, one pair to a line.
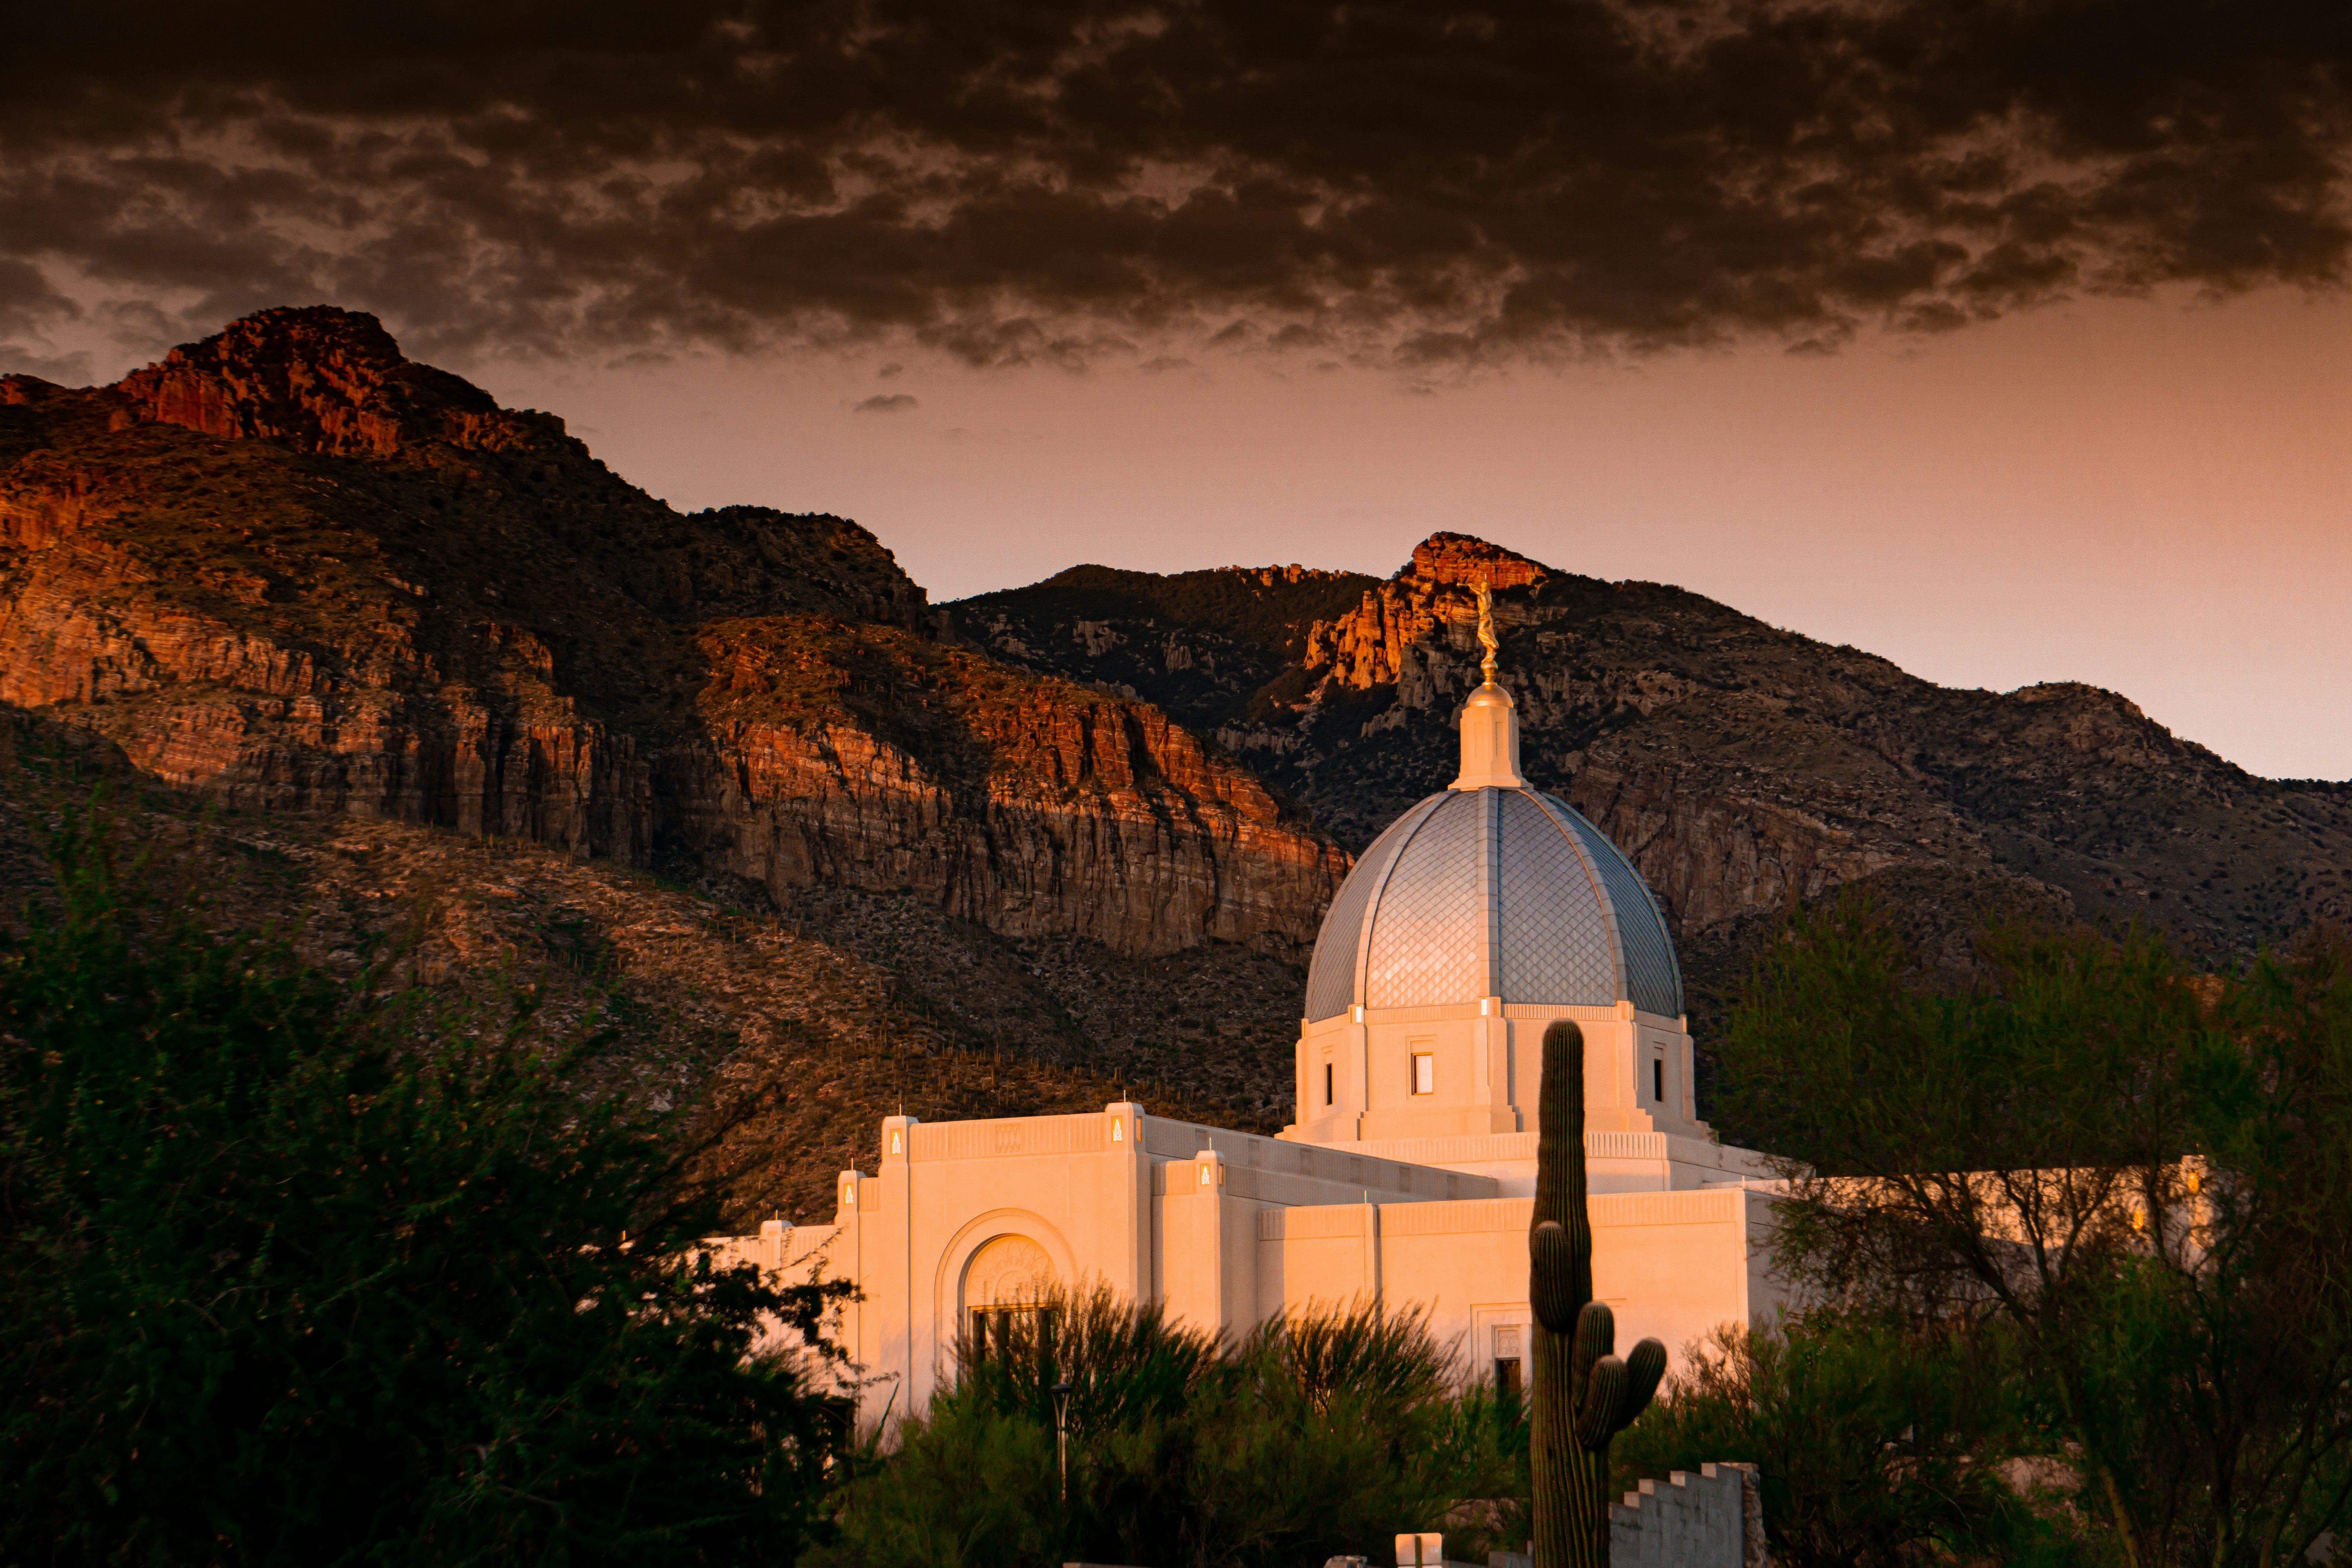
1062,1435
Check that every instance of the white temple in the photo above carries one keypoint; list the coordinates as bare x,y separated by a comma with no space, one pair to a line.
1482,914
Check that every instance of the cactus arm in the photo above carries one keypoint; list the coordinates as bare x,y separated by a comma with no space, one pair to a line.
1645,1366
1596,1336
1605,1392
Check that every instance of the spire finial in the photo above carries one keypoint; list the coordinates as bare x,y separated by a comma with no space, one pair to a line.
1490,729
1486,638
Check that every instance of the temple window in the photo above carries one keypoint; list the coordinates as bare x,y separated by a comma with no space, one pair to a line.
1424,1073
1508,1380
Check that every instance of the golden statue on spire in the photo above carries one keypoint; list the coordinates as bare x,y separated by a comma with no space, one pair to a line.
1486,638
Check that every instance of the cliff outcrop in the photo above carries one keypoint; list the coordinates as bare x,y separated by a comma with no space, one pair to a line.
863,756
290,569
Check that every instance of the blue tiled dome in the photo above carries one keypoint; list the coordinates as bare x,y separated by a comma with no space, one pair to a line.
1493,892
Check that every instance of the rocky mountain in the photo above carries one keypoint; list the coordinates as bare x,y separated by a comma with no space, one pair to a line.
383,658
1739,764
289,568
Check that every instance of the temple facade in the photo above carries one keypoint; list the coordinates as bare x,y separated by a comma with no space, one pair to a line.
1407,1174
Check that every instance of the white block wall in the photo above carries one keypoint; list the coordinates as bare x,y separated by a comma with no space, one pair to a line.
1684,1521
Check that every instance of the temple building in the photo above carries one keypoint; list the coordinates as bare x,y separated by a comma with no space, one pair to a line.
1481,915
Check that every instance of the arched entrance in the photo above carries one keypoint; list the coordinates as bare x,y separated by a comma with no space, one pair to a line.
1005,1287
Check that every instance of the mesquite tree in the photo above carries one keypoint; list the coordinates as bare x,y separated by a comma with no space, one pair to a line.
1584,1396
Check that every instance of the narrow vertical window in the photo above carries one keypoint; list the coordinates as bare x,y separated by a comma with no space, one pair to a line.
1658,1080
1424,1073
1326,1083
1507,1381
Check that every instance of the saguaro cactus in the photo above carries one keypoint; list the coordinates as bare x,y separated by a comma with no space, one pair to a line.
1584,1394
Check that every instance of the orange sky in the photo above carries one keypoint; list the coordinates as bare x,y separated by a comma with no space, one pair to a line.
2150,496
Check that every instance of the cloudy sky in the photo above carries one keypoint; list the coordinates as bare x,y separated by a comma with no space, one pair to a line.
2006,339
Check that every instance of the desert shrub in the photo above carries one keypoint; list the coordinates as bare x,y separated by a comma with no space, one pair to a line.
1876,1443
297,1271
1335,1430
1318,1434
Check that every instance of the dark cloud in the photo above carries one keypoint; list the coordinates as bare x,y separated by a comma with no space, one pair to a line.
1051,181
25,359
26,299
886,402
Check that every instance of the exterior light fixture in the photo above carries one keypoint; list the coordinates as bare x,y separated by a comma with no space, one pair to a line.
1062,1435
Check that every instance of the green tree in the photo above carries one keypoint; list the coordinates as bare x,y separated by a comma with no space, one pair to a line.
296,1272
2144,1171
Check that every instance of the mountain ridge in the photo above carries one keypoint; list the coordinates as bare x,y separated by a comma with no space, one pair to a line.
1741,766
290,568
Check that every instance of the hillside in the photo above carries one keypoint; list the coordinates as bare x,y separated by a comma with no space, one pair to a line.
1740,765
777,1020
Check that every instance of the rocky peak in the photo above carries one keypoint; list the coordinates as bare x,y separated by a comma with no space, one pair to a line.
320,380
1466,560
1405,631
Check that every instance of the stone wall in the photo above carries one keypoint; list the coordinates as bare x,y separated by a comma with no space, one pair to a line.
1705,1521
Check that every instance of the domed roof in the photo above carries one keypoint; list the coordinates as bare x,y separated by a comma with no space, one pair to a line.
1488,892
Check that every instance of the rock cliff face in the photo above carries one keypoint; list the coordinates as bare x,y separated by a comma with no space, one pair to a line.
291,569
1740,765
863,756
